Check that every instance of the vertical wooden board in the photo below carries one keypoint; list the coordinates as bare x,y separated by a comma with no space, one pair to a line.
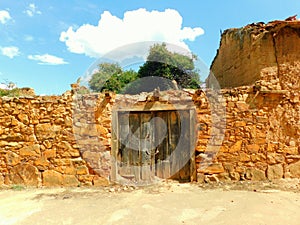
174,148
153,148
160,141
161,137
146,138
124,140
184,172
114,146
134,120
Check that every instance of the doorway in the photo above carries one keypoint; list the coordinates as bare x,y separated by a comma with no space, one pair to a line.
154,144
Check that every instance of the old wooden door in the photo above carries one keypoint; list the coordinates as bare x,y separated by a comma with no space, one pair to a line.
155,144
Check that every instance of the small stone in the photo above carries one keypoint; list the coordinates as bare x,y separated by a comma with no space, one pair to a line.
235,176
23,118
12,158
82,170
242,106
291,150
47,144
200,178
240,124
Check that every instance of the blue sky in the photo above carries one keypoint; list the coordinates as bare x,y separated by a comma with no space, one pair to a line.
48,44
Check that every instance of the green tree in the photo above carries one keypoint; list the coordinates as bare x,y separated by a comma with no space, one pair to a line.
170,65
111,77
160,69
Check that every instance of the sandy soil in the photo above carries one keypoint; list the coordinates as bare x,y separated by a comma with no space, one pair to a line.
165,203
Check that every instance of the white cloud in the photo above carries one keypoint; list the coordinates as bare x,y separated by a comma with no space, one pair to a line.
28,38
10,51
32,10
136,26
47,59
4,16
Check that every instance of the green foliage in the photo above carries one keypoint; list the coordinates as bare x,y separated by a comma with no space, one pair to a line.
10,93
100,78
111,77
161,67
170,65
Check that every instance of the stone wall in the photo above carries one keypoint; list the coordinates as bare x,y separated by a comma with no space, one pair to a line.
41,140
65,140
261,139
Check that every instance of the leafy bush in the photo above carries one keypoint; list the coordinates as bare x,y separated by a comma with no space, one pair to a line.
10,93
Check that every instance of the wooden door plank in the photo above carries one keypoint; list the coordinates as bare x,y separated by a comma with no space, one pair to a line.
174,145
184,158
134,121
125,139
146,137
161,141
153,148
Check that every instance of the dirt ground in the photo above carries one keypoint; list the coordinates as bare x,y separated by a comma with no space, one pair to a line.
164,203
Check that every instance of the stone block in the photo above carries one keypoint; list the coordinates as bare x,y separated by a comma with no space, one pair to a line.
294,169
24,174
32,150
214,169
253,148
82,170
70,181
12,159
23,118
100,181
52,178
255,174
223,177
42,163
48,154
65,149
291,150
275,172
236,147
46,131
244,157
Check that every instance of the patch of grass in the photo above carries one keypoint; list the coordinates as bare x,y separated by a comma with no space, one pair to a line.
17,187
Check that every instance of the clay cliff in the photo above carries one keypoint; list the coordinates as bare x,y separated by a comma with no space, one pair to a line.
267,55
